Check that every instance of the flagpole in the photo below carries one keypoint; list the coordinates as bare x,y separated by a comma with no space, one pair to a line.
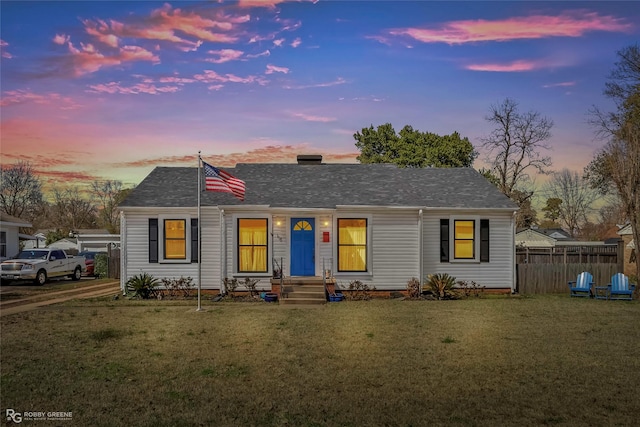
199,233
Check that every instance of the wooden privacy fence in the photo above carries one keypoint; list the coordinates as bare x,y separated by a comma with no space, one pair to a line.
553,278
548,270
603,254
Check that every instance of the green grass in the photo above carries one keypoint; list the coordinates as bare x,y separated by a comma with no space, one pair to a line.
544,360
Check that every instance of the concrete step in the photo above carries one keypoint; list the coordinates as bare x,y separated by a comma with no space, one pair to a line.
302,301
304,288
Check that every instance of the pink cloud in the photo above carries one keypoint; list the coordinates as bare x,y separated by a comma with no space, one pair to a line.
561,84
257,55
210,76
567,24
260,3
297,42
61,39
146,88
87,59
3,49
195,25
311,118
275,69
266,154
278,43
224,55
338,81
165,23
101,30
515,66
22,96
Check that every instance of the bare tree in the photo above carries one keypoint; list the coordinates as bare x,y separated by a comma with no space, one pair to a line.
71,211
109,194
617,165
576,198
21,191
514,148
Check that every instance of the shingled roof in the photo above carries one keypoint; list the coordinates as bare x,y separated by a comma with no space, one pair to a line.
325,186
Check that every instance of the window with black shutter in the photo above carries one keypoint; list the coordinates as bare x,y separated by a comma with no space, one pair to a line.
444,240
153,240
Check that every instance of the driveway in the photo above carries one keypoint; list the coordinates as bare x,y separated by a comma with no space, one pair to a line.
34,300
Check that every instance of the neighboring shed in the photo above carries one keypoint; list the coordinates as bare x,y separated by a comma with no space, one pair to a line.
376,223
531,238
97,240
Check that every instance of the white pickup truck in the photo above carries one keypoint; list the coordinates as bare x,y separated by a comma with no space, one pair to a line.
39,265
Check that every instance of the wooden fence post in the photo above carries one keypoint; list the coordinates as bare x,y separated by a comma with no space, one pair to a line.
620,251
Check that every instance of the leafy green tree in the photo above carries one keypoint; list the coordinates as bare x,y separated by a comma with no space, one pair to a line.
412,148
552,209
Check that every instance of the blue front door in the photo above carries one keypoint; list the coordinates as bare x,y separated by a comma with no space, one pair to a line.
303,232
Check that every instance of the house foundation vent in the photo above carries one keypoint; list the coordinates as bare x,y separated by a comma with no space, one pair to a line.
309,159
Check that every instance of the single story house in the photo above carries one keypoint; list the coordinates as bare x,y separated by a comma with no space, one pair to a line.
376,223
69,244
542,237
10,235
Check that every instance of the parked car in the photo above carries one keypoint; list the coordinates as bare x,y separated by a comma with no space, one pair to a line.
38,265
89,260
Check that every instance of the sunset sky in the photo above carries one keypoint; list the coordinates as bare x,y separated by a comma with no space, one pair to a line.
97,90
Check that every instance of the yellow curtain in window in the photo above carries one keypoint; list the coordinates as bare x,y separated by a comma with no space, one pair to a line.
352,250
175,241
252,241
464,243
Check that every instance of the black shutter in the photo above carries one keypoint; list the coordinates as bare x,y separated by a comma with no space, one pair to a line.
194,240
484,240
153,240
444,240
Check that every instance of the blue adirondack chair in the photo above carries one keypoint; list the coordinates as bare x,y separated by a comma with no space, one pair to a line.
619,288
581,287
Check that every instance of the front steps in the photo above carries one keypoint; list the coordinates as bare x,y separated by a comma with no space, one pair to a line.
303,291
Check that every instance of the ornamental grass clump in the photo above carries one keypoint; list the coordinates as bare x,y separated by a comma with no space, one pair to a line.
441,285
142,285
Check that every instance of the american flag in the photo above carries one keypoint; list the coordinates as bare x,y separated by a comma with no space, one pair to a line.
218,180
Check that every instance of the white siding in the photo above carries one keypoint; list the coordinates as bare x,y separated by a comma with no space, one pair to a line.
394,253
496,274
393,256
136,232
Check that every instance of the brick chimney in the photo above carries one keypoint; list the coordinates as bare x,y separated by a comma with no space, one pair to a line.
309,159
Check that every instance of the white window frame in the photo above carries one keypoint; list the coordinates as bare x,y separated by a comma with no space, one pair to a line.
161,239
476,239
235,256
369,218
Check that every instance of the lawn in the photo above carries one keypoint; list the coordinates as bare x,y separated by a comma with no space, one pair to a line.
544,360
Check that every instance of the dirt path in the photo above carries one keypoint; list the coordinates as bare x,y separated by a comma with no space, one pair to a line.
34,301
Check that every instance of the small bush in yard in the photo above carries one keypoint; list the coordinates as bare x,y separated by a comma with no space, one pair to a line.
143,285
359,291
250,284
441,285
177,287
230,285
468,288
413,288
100,263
